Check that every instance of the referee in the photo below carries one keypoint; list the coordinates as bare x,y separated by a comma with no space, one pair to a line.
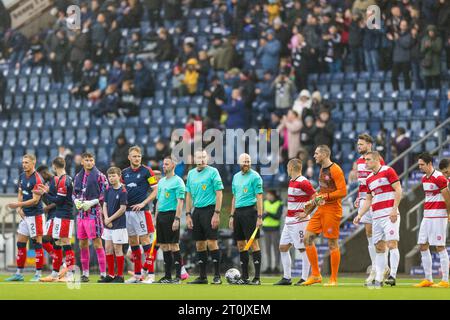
171,190
247,188
204,191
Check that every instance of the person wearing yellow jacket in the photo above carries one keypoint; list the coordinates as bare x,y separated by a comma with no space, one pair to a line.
273,210
191,76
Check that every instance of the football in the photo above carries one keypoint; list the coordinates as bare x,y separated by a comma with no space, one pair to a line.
232,275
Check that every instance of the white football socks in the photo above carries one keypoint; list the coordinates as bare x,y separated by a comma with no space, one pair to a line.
427,264
286,262
443,256
372,252
394,260
305,265
380,262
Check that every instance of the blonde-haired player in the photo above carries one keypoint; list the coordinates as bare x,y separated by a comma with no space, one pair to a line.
300,192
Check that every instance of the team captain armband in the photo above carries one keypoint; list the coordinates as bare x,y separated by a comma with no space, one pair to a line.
152,180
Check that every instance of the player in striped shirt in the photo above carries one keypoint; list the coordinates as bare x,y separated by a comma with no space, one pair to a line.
383,197
433,229
299,193
364,145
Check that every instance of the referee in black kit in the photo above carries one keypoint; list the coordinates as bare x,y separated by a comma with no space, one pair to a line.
247,188
204,191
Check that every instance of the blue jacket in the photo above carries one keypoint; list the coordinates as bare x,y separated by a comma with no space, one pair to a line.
371,39
237,114
269,55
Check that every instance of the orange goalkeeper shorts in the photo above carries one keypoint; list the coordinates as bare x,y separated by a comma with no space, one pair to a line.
325,221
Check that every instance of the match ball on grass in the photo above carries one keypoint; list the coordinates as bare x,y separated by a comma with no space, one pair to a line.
232,275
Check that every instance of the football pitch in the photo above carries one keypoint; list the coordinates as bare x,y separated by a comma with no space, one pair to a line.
349,288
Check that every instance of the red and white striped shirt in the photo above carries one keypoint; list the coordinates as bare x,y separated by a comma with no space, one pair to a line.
363,173
299,192
435,206
383,194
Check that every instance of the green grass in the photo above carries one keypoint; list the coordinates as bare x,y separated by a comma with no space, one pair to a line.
349,289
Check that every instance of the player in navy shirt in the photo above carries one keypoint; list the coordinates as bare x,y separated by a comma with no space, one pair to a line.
115,232
60,192
49,210
139,180
29,207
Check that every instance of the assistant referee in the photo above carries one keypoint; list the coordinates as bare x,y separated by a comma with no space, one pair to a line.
204,191
171,192
247,189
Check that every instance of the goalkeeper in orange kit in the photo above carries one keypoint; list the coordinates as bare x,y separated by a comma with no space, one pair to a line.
328,216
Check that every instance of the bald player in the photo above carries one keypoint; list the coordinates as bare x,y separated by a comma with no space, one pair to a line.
328,216
247,189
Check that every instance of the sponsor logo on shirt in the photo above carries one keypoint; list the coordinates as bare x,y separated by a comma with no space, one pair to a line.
132,185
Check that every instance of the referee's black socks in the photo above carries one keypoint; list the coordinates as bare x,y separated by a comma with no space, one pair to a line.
215,256
202,259
177,261
244,264
257,263
168,264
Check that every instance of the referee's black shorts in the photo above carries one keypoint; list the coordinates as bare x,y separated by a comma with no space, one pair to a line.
244,223
164,233
201,218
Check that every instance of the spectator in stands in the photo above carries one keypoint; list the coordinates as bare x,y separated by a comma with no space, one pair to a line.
57,47
307,133
16,46
78,48
98,36
191,75
191,127
302,102
119,157
67,155
249,30
283,35
5,19
316,106
268,51
324,133
401,57
109,103
36,56
284,92
162,151
187,53
133,14
290,127
216,91
89,80
77,161
224,55
247,85
236,111
400,144
164,46
334,49
301,55
371,46
172,10
112,42
128,105
311,32
154,12
143,81
430,48
355,42
273,9
416,58
135,47
177,81
264,94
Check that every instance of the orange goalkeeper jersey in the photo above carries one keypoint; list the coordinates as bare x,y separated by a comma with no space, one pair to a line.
333,187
